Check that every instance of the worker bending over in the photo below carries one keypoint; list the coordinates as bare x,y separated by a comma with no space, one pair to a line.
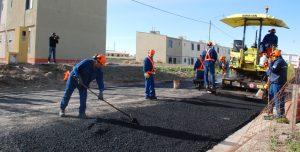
223,65
82,74
199,68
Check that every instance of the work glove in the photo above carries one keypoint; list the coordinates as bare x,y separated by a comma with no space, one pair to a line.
100,96
147,75
267,85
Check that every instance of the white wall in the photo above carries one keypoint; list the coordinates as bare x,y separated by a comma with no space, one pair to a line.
189,54
80,24
146,41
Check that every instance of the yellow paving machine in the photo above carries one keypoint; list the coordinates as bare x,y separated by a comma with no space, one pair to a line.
244,62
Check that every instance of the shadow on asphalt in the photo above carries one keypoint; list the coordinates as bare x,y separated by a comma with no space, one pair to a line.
158,130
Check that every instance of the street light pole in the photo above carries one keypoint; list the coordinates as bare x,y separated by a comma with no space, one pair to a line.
209,30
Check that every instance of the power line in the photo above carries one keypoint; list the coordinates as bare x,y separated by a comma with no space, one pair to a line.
178,15
223,31
170,12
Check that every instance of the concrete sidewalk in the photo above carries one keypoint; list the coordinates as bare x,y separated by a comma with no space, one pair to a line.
241,137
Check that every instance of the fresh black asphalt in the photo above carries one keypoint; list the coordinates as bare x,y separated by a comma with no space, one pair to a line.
168,124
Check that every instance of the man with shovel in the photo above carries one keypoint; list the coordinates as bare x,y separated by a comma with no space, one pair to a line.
81,75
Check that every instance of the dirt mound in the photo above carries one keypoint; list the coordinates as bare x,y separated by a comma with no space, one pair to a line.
35,75
51,75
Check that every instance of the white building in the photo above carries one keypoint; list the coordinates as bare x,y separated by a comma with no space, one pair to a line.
172,50
291,58
80,24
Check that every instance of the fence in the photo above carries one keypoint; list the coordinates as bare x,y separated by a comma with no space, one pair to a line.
254,136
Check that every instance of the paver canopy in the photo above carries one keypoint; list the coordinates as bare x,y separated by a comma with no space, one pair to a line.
237,20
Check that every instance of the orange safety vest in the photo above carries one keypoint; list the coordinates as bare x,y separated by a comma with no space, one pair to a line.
66,75
207,56
201,68
152,70
223,68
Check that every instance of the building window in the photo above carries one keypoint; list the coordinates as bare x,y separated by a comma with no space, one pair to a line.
218,49
10,37
174,60
192,60
11,3
170,44
28,4
0,38
192,46
184,60
170,60
198,47
29,40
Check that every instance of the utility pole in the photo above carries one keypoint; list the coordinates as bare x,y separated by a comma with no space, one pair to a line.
114,46
209,30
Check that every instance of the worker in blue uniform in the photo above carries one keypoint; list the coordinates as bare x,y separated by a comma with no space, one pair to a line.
269,42
278,77
82,74
224,66
209,56
199,68
149,73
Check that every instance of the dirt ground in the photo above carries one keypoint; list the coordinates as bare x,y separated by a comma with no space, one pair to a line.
29,101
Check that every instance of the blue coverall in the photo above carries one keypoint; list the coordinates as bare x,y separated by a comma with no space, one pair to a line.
278,77
226,67
149,83
209,66
200,73
87,72
269,40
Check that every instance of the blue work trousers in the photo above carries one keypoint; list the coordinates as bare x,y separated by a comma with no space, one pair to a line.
279,99
149,86
210,67
52,50
200,74
71,85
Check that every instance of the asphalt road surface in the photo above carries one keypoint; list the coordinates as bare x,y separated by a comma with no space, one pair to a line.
180,120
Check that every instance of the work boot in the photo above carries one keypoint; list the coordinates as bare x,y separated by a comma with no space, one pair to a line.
207,88
153,98
62,113
82,116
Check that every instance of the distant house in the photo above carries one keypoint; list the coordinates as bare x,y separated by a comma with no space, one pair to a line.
116,54
27,24
172,50
291,58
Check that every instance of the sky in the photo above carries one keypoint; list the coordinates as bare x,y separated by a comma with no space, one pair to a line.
126,17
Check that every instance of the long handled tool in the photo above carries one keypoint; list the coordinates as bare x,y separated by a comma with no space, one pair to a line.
132,120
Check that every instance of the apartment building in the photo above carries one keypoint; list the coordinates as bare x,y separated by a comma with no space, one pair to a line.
172,50
81,26
116,54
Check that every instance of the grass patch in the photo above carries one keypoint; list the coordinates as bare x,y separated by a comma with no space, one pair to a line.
274,143
294,143
282,120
